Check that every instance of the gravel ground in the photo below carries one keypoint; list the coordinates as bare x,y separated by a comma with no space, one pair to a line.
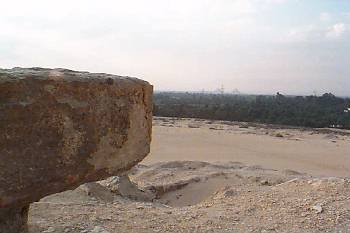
202,197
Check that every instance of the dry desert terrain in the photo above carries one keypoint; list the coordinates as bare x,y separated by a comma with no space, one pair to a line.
213,176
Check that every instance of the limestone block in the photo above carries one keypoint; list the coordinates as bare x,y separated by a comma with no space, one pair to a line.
61,128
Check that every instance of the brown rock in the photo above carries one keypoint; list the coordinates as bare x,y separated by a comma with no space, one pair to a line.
60,128
13,220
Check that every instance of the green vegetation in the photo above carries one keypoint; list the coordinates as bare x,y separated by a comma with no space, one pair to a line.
307,111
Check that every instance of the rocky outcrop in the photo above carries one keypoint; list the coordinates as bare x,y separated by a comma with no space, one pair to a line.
123,186
61,128
107,190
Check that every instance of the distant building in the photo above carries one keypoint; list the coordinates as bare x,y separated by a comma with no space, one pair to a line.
347,110
336,126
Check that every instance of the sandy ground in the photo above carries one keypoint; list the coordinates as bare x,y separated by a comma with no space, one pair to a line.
202,197
309,151
209,176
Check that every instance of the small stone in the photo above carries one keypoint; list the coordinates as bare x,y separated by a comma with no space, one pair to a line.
140,207
99,229
264,182
106,218
49,230
318,208
279,135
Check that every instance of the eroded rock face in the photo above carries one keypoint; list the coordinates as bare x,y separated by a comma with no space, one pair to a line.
61,128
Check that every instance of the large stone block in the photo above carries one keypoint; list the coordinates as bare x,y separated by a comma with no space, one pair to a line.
60,128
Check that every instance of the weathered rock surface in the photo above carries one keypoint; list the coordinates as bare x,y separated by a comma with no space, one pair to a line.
60,128
107,190
123,186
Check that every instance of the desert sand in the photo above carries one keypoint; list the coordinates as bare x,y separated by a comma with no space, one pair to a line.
212,176
305,150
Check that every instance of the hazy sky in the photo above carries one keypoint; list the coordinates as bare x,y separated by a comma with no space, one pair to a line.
256,46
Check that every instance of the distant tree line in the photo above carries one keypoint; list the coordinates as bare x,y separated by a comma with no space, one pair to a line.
308,111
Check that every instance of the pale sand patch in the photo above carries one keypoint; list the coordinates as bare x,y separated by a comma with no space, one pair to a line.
304,151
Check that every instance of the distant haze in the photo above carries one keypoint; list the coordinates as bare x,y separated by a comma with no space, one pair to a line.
255,46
